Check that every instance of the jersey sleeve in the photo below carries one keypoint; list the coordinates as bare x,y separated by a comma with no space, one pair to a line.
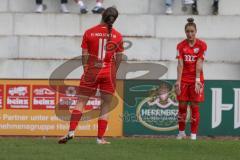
85,41
179,52
120,48
203,50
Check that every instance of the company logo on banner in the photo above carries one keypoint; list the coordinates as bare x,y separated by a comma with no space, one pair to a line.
68,97
159,111
218,107
44,97
18,96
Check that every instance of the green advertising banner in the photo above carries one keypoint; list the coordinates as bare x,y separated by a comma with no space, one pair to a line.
151,108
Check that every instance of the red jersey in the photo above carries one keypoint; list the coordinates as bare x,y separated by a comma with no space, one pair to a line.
100,47
190,55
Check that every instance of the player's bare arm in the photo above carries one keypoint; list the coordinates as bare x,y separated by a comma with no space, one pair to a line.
85,56
179,76
119,58
199,67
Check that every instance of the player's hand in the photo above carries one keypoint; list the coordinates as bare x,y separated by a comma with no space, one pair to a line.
198,87
98,65
85,68
178,87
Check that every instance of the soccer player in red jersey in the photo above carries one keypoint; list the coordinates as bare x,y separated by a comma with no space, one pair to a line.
190,81
102,49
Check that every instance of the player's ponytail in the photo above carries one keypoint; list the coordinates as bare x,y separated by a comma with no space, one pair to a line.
190,22
109,16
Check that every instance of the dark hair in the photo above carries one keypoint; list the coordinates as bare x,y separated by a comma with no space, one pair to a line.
190,22
109,16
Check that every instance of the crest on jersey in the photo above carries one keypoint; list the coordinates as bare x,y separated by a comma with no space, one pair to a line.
196,50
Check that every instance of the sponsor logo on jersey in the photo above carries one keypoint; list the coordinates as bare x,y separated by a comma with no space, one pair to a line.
189,58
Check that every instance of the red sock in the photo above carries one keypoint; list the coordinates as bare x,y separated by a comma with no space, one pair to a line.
75,118
102,125
195,117
182,114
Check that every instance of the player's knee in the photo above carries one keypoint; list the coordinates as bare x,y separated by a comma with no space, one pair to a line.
81,103
194,104
106,103
183,103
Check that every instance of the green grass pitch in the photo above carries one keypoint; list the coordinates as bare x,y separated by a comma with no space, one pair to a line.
120,149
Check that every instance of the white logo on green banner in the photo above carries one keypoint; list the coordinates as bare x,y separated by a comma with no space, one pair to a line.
218,107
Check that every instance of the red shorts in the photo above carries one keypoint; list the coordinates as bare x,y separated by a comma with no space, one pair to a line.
89,84
189,94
